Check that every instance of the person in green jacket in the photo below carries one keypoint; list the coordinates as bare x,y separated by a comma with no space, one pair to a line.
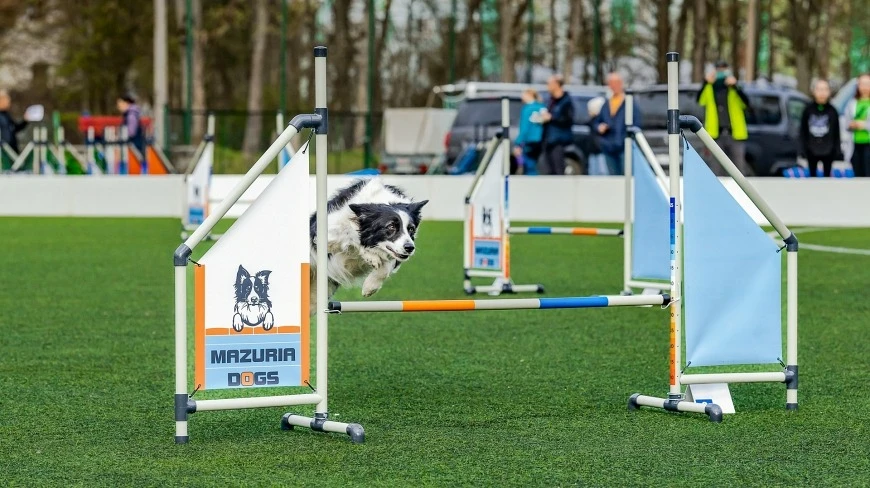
725,116
857,116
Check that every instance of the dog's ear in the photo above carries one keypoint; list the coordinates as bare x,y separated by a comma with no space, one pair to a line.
264,276
242,274
414,209
362,210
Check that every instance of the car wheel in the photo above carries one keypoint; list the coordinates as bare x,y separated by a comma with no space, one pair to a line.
574,167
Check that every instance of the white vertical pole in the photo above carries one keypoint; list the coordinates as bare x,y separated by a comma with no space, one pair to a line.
676,208
629,198
792,323
506,171
322,260
180,345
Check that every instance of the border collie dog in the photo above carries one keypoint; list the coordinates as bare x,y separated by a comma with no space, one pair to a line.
371,231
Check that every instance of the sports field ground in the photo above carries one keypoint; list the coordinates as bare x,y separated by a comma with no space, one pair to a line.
519,398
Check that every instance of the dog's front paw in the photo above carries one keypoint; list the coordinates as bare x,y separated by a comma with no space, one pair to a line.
367,292
268,321
237,323
371,286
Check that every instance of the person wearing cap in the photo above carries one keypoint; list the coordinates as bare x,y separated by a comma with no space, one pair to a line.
725,115
9,127
131,117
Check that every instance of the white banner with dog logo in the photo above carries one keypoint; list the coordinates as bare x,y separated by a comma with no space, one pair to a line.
252,292
487,216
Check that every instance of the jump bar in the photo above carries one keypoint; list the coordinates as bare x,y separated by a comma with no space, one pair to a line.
577,231
499,304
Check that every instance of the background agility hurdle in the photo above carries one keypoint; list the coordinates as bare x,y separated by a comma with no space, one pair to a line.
197,184
487,230
280,262
646,252
729,260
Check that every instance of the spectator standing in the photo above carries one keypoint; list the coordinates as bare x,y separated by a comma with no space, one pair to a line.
529,140
611,125
858,122
820,130
558,120
597,161
9,128
131,117
725,117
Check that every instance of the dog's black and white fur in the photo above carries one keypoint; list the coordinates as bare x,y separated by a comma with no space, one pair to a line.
253,306
371,232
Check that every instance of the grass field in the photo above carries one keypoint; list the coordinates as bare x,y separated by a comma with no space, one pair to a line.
525,398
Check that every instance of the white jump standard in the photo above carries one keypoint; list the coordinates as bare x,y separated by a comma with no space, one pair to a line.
736,340
289,243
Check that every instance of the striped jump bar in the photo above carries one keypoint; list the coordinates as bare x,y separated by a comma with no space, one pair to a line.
576,231
499,304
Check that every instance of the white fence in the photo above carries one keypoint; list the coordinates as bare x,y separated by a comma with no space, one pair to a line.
817,202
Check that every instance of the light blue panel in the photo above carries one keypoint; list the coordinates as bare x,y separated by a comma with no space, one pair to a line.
253,361
650,237
732,282
486,254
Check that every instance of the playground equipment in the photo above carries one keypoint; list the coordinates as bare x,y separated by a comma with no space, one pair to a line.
487,249
197,183
729,261
279,262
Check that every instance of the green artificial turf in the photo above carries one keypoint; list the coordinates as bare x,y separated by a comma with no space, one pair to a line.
520,398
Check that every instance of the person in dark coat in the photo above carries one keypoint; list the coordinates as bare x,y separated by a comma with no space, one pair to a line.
612,127
820,130
131,117
9,128
558,120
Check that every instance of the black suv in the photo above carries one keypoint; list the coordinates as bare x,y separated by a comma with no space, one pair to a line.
772,123
478,118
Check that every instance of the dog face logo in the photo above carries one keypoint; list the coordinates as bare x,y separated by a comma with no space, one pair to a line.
253,306
487,221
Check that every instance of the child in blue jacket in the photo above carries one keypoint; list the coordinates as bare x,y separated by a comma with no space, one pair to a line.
529,137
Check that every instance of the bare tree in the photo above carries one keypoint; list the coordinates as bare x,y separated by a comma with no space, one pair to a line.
682,26
700,34
199,103
734,43
800,13
254,126
575,25
663,37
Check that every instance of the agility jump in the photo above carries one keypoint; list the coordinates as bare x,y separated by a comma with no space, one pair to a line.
197,183
729,260
275,270
487,229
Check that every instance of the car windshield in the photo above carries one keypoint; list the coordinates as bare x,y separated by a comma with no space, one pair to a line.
653,107
484,112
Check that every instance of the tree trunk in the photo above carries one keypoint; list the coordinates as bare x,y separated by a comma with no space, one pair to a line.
700,34
735,21
575,24
506,41
554,36
254,127
199,119
682,26
770,36
663,38
799,17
